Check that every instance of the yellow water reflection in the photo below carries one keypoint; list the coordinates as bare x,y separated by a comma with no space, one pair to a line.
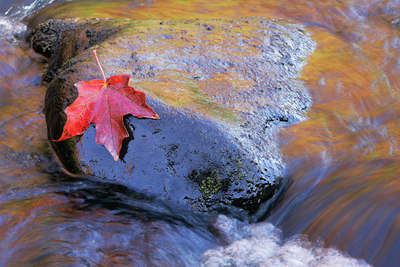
21,100
344,161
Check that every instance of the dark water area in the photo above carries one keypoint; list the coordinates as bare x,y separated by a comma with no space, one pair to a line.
343,163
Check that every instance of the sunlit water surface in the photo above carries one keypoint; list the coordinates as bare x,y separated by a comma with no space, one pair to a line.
343,162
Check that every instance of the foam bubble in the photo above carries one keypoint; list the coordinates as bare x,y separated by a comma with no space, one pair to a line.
261,244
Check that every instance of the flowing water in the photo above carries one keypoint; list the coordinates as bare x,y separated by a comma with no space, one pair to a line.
343,162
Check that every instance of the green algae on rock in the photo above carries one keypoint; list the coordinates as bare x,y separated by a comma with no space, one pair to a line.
221,88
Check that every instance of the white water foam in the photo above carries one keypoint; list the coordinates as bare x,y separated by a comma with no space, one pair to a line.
261,244
11,30
20,11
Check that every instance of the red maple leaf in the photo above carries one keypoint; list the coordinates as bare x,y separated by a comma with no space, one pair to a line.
104,103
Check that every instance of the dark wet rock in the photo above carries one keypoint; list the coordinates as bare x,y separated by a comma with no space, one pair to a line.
46,37
222,88
63,40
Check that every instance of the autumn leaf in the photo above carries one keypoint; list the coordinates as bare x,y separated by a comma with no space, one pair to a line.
104,103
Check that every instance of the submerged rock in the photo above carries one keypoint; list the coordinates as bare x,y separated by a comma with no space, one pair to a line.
222,89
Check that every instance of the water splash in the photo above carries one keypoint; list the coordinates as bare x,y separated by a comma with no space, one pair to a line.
262,245
20,10
11,30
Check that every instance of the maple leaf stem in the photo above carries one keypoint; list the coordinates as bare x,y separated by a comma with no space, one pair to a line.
98,63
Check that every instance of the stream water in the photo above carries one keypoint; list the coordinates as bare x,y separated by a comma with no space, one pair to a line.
342,205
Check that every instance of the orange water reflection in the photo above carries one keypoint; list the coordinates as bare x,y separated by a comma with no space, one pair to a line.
345,160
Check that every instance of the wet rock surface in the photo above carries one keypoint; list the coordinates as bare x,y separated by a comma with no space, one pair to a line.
222,88
63,40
